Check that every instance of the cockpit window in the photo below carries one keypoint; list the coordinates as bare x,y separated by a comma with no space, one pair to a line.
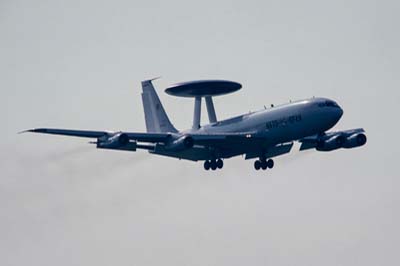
328,104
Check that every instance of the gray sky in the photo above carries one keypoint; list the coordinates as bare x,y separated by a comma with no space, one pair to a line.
78,64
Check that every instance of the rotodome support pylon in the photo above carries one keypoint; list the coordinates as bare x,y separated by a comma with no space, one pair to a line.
203,88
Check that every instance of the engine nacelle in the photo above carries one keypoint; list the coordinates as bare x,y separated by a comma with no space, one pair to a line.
182,143
355,140
114,141
333,143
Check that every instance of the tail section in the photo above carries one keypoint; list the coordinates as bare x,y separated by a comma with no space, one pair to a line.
156,118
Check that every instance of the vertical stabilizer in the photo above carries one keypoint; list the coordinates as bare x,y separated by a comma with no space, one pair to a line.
155,116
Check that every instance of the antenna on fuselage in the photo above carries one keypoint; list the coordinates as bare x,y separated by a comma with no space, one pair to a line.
203,89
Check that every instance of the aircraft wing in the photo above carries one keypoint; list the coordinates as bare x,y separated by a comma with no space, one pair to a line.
229,140
142,137
199,139
315,138
333,140
231,143
249,144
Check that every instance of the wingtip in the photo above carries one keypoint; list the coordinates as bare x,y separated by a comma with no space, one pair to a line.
41,130
24,131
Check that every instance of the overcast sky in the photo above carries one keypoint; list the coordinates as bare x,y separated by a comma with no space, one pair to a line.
78,64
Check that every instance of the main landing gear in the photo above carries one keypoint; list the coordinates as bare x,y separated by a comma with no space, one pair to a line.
263,164
213,164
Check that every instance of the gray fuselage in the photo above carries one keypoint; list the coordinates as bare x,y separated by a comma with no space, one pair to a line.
279,124
283,123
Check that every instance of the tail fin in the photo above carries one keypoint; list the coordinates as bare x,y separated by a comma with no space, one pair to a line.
156,118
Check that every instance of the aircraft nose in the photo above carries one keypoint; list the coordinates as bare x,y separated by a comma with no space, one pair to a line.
338,113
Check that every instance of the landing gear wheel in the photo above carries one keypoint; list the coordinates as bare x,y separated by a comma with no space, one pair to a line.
257,165
207,165
220,163
213,165
264,165
270,163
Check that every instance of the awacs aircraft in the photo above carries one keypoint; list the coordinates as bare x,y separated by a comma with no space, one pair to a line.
260,135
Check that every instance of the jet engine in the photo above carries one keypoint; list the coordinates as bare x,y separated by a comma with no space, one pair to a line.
182,143
355,140
117,141
333,143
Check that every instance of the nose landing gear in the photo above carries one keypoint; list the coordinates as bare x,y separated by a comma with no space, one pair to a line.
263,164
213,164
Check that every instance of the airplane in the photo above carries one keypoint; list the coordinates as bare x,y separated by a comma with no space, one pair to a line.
260,135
